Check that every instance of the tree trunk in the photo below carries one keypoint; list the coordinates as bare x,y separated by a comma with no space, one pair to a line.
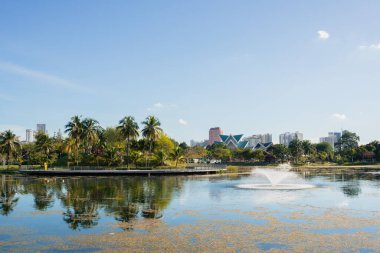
7,160
150,151
128,153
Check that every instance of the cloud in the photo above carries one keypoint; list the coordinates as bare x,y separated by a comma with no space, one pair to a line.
158,105
182,122
339,116
370,47
49,79
323,35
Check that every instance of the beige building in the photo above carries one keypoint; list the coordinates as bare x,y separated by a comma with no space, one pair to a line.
214,135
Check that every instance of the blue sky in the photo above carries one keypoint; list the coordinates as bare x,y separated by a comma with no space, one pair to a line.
247,66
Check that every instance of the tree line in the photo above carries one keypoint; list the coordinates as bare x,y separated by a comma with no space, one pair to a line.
346,150
126,145
88,144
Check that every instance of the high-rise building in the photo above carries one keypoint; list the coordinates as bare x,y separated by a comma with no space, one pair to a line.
214,135
258,138
194,143
332,138
29,136
41,128
287,137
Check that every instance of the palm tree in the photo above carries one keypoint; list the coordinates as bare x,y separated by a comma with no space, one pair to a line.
151,130
177,155
161,157
75,130
44,144
90,134
130,131
9,145
69,146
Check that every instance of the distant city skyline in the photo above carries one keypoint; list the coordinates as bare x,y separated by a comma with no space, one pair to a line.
247,66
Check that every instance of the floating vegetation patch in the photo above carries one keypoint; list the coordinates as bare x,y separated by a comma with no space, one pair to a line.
226,236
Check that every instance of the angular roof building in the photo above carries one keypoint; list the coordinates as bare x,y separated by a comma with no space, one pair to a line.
263,146
233,141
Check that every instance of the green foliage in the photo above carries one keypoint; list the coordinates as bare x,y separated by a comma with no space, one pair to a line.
347,145
88,144
219,152
130,131
177,155
280,152
195,153
9,145
258,155
296,150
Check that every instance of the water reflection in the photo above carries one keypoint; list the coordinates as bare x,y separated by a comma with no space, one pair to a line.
350,180
8,199
83,198
352,188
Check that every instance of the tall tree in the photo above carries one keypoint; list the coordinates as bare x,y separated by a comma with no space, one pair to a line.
9,145
296,149
309,149
178,155
347,144
151,131
280,152
75,130
90,133
44,145
161,157
130,131
70,147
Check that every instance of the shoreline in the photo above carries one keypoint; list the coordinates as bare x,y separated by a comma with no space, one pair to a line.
230,170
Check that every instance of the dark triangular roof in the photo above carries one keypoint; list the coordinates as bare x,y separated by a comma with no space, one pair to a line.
223,137
238,137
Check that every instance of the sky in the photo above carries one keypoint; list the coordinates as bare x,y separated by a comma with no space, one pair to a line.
249,67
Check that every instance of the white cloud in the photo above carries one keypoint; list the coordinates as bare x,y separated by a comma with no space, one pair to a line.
182,122
339,116
370,47
158,105
41,76
323,35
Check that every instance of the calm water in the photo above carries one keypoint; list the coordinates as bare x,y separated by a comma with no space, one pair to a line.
37,212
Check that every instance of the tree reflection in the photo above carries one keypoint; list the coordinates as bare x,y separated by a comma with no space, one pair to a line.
8,190
352,188
83,214
82,198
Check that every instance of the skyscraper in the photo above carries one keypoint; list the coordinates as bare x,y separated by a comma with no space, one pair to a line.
287,137
41,128
333,137
258,138
29,136
214,135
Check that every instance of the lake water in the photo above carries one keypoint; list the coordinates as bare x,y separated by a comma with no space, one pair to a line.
190,214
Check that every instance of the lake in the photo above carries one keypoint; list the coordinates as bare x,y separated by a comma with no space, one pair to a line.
190,214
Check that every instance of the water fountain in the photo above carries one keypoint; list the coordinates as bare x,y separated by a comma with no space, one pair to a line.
278,179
